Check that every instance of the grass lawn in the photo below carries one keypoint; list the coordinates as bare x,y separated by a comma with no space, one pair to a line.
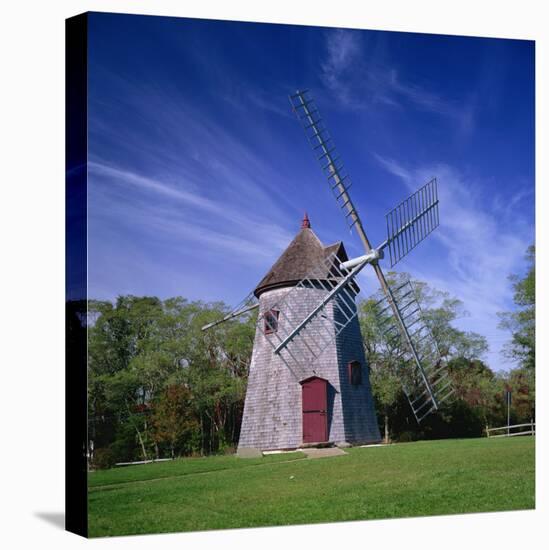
408,479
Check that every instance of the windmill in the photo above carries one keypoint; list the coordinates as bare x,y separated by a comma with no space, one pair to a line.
310,313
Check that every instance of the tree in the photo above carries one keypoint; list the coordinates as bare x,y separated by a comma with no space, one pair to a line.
478,387
173,419
522,322
158,384
521,383
124,370
386,386
439,311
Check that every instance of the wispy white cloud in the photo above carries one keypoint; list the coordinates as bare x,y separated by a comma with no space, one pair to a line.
507,206
274,103
186,174
178,198
478,247
342,49
185,217
118,175
359,82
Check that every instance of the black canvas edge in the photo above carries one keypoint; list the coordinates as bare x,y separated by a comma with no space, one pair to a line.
76,439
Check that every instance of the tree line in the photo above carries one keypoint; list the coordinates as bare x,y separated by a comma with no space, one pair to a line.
479,401
160,387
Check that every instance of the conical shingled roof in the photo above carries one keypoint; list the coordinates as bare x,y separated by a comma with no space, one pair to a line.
303,254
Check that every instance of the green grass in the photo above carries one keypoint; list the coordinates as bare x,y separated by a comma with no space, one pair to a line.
181,467
410,479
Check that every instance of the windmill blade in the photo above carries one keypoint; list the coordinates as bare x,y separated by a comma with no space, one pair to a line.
323,145
411,221
247,304
308,322
412,372
321,141
424,375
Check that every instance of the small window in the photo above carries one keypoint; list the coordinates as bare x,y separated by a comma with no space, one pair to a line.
271,321
355,373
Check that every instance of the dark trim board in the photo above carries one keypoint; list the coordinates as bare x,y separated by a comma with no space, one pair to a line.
76,438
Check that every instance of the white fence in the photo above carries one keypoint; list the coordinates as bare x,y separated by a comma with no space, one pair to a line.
509,430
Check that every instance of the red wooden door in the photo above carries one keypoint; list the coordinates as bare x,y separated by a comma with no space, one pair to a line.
315,405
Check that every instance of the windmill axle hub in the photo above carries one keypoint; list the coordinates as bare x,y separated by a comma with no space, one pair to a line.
372,256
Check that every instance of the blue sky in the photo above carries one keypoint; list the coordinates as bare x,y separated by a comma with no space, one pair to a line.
199,173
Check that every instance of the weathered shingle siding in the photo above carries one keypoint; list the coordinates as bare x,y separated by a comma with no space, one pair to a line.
359,415
272,411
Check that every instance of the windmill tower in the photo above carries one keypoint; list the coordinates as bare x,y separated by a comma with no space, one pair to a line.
308,379
305,402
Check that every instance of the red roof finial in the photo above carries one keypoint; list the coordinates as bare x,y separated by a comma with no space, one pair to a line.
305,223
